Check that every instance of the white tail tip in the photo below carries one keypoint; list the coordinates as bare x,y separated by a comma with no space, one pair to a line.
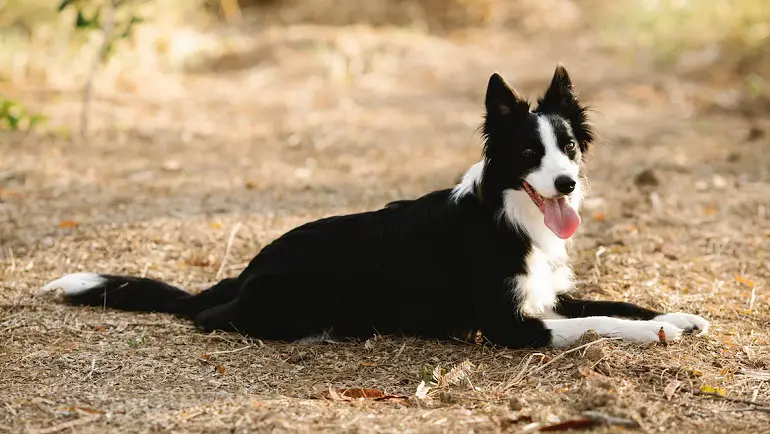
72,284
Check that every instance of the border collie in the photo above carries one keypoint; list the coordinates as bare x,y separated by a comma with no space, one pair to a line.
488,255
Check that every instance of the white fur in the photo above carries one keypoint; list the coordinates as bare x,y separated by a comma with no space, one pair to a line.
469,183
546,277
73,284
553,164
565,332
685,321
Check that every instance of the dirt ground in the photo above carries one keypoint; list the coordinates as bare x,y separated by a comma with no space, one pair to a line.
314,121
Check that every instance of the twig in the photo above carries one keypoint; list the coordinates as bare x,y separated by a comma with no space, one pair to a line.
93,367
605,419
107,29
68,425
214,353
230,242
758,406
537,369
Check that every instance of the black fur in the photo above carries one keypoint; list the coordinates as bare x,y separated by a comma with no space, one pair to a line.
433,267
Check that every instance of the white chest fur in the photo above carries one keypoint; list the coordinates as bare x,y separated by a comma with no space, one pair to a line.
546,277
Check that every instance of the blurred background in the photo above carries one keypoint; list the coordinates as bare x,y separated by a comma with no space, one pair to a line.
198,131
127,111
157,49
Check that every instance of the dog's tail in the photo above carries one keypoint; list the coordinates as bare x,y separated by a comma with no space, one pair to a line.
138,294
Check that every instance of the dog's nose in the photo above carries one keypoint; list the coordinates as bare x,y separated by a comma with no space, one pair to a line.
564,184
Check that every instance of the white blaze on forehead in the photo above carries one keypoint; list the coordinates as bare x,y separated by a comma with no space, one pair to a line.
554,162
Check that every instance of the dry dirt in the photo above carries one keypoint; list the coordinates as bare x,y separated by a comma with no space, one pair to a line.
323,121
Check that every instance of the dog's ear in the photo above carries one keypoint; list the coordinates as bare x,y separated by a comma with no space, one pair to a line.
560,99
502,101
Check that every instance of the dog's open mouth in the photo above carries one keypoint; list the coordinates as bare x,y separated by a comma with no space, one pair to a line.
559,214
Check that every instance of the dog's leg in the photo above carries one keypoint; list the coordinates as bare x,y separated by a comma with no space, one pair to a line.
574,308
565,332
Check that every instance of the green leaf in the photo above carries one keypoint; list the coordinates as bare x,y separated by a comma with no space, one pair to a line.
81,22
63,5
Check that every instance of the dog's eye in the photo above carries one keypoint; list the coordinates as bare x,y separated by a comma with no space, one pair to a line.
570,146
528,152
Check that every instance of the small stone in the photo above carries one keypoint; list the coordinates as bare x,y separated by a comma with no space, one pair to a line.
719,181
646,178
515,403
297,358
171,165
594,353
755,133
589,336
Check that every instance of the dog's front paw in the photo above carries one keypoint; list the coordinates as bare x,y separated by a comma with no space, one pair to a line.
686,321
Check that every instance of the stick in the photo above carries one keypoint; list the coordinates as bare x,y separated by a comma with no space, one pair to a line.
107,28
537,369
758,406
68,425
230,351
605,419
230,242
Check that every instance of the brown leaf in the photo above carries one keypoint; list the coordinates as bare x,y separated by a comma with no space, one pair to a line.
671,388
587,371
205,356
369,364
334,396
199,261
570,424
86,410
66,224
361,393
221,370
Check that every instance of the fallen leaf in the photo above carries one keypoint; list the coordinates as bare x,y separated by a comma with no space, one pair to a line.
215,225
744,281
66,224
671,388
198,261
100,328
335,396
205,356
369,364
662,335
361,393
713,390
600,217
221,370
86,410
696,372
570,424
422,390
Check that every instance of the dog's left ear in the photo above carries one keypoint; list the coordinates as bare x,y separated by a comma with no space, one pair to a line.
561,100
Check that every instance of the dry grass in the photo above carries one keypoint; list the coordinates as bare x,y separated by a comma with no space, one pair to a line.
328,120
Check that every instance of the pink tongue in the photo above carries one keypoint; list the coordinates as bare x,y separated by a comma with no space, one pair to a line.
560,217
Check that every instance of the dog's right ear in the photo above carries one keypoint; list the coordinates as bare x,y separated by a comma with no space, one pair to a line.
502,101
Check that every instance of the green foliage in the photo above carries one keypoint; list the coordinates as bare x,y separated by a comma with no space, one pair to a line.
92,14
672,27
14,117
140,341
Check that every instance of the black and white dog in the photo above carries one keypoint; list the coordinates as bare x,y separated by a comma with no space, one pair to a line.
488,255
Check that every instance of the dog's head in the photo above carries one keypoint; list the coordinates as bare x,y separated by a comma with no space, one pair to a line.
538,152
